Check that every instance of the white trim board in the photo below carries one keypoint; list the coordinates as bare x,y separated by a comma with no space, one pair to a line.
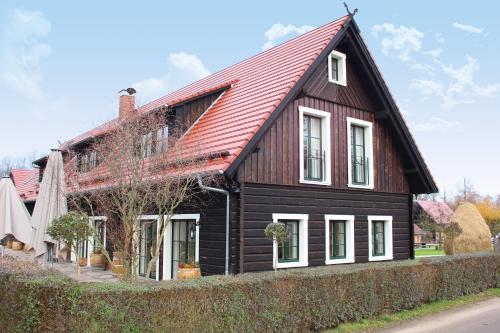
303,240
349,230
387,237
368,126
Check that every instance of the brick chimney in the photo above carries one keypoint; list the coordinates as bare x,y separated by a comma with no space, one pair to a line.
127,106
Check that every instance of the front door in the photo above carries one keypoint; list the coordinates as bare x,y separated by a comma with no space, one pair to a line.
183,244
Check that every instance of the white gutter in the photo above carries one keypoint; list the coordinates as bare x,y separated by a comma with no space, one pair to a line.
226,193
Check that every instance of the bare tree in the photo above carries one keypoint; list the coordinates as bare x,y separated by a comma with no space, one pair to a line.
138,165
15,162
465,192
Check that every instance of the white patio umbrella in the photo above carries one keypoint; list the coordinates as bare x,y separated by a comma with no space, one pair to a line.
14,217
50,203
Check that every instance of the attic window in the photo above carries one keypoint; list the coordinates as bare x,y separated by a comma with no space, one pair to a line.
337,72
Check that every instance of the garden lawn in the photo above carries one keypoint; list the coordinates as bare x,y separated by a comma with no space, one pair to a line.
389,320
428,252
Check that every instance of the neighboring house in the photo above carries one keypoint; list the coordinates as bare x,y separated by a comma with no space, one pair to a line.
432,217
418,234
305,133
27,185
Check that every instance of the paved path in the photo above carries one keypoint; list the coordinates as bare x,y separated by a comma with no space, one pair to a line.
482,317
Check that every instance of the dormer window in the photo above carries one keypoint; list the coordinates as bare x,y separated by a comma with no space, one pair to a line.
337,72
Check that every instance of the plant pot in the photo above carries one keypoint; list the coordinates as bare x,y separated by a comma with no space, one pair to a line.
188,273
26,248
118,266
82,262
9,244
17,246
98,261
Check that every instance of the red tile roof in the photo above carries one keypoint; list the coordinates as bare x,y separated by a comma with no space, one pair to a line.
26,182
257,86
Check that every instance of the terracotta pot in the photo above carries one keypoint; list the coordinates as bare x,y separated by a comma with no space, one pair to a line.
17,246
9,244
26,248
98,260
118,266
82,262
188,273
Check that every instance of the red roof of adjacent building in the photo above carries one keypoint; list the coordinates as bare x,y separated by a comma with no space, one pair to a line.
440,212
257,85
26,183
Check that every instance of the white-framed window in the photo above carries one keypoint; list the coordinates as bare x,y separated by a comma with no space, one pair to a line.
337,71
181,238
314,146
294,251
339,239
360,153
380,238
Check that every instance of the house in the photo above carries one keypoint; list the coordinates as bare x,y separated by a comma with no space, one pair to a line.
418,235
305,133
27,185
432,217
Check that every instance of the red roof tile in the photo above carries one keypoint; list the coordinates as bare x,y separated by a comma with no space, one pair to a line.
26,182
257,86
440,212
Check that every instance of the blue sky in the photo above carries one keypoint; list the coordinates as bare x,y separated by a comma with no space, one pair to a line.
63,62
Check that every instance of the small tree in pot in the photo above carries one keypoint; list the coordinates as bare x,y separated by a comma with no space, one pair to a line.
277,233
71,228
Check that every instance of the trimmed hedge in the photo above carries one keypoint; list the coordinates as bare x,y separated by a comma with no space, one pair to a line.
296,300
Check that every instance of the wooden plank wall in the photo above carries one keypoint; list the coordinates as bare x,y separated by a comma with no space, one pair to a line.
261,201
187,114
277,159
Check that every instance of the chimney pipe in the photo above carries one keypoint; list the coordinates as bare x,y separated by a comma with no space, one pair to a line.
127,106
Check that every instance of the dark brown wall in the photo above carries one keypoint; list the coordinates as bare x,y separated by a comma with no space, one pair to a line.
186,114
261,201
276,161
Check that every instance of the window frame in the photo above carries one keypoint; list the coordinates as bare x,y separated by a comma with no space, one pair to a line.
280,260
341,68
349,239
325,144
388,246
303,241
368,136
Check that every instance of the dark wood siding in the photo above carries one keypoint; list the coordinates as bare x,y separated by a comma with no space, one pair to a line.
261,201
276,161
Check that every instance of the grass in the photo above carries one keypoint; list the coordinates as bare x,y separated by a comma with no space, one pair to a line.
388,320
428,252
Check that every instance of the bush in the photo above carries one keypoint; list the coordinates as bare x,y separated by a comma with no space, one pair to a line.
295,300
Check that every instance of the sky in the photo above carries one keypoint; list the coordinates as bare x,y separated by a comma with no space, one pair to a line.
62,64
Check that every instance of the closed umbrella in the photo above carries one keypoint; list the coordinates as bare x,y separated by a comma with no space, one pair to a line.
50,203
14,217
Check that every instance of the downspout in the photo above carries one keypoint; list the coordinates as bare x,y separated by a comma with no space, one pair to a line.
226,193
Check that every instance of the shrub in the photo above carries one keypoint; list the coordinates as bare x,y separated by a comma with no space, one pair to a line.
295,300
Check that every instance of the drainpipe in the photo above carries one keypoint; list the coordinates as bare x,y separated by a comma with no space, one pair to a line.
226,193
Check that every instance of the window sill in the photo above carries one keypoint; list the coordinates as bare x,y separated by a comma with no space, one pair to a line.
381,258
313,182
340,83
292,264
365,187
339,261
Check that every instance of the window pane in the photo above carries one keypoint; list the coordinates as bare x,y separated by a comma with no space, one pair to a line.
337,239
289,249
378,238
358,155
335,68
313,154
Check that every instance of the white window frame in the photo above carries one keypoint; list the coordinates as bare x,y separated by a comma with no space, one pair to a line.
368,126
90,240
149,218
325,144
167,243
387,238
342,69
349,230
303,241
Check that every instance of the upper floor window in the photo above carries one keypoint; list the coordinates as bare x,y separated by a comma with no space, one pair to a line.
314,146
87,161
360,153
337,72
154,142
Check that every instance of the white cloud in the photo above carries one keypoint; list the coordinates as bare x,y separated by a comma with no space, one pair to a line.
436,124
434,53
468,28
182,68
400,41
278,31
22,51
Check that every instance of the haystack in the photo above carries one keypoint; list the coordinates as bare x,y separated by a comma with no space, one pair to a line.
475,236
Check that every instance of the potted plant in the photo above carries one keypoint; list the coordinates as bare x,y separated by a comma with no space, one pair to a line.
118,265
98,260
8,242
17,245
188,271
82,261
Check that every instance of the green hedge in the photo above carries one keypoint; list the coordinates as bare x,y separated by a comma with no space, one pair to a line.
296,300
